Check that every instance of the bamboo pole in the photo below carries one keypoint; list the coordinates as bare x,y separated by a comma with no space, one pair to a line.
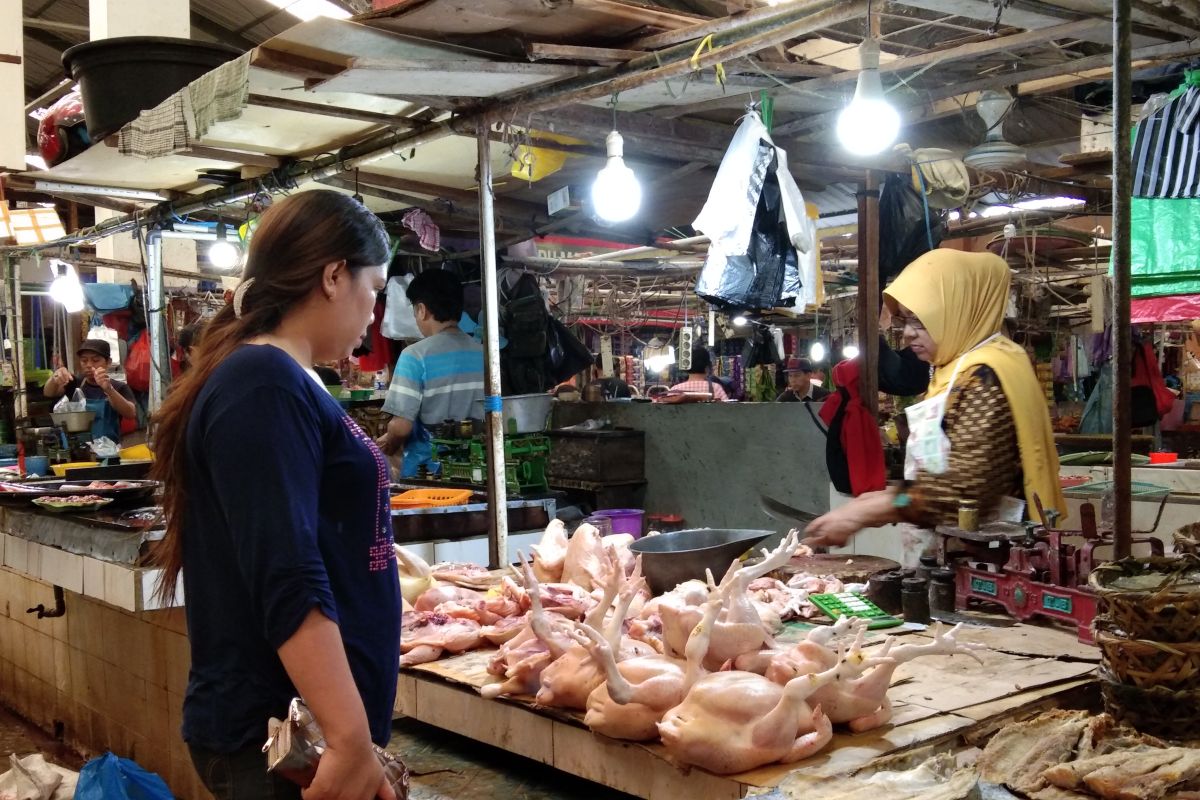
1121,252
868,291
493,411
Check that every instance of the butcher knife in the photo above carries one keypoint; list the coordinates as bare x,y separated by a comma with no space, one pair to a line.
785,513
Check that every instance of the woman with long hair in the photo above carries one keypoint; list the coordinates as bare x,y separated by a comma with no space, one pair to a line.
278,519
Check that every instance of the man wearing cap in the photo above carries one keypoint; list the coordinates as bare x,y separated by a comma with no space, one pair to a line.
110,400
800,383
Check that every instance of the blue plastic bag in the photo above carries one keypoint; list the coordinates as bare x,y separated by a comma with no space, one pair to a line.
111,778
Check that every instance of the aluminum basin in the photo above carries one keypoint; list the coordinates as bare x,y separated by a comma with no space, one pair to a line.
669,559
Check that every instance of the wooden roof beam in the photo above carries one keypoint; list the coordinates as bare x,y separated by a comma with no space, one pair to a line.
1028,15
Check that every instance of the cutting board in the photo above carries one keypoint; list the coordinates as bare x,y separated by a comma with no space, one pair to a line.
846,568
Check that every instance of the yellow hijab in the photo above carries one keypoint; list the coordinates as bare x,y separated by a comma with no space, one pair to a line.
960,298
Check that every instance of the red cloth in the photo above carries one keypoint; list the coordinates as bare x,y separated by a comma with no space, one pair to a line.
857,432
1146,373
380,356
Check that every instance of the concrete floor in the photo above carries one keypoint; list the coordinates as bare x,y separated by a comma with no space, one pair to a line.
444,766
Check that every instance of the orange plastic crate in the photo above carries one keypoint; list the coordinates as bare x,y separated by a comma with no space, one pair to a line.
430,498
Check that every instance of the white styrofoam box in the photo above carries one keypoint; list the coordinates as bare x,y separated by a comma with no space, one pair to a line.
93,578
1096,133
62,569
120,589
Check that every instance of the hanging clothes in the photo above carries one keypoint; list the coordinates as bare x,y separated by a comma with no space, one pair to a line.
1166,147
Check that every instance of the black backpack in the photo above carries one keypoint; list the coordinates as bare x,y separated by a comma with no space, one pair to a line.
524,321
835,455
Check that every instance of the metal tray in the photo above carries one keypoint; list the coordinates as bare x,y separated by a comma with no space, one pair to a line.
25,493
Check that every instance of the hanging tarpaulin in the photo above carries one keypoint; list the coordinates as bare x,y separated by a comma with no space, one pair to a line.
1174,308
1165,260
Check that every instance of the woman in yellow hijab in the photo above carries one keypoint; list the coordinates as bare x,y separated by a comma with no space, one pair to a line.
983,431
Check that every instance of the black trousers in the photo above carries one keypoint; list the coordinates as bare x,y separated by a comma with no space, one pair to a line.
241,775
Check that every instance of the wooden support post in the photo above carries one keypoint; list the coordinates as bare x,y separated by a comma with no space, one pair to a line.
1123,343
493,413
868,290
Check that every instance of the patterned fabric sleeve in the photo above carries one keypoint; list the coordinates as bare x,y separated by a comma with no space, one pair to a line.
985,463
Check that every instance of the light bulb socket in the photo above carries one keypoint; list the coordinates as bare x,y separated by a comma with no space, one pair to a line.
614,143
868,54
869,86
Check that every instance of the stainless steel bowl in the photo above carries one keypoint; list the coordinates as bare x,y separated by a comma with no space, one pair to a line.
523,413
669,559
74,421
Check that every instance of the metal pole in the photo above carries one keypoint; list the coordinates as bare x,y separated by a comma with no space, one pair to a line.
159,364
868,291
493,410
17,334
1121,258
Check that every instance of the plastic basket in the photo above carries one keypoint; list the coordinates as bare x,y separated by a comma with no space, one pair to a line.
431,498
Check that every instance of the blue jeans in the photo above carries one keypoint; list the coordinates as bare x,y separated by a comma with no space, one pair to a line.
241,775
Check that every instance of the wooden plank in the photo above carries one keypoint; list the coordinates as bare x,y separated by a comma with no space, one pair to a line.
1025,702
539,51
238,156
294,64
9,58
325,110
446,78
502,725
985,11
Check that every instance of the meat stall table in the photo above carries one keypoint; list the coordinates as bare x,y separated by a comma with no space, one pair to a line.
939,701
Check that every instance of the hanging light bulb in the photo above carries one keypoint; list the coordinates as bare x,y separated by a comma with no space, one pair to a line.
740,321
870,123
850,351
616,194
224,254
817,352
65,288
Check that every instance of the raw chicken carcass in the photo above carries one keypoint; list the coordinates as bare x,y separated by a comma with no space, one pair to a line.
736,721
638,691
416,577
573,676
586,564
550,553
740,629
620,543
430,599
470,576
860,696
504,630
425,636
521,660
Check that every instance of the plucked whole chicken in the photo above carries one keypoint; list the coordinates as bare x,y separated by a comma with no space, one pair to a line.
698,667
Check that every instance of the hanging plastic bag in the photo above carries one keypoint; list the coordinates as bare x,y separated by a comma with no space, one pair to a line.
107,334
68,405
905,232
137,363
398,319
111,778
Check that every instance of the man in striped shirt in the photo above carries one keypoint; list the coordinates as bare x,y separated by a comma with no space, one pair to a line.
698,380
437,379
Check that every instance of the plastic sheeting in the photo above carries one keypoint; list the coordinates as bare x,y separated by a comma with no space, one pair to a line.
1175,308
1166,259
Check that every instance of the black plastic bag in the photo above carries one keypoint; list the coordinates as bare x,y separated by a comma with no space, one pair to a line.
567,355
903,233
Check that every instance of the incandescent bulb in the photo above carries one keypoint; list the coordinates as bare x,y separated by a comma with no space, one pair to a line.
870,123
817,352
740,321
850,351
224,255
616,194
66,289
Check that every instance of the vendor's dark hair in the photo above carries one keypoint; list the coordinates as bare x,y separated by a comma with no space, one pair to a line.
189,335
295,240
701,361
440,291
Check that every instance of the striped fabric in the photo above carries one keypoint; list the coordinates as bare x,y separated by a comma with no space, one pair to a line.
437,379
1166,150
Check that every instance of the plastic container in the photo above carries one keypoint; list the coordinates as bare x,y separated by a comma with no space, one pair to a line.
361,394
8,451
125,75
1164,458
430,498
914,600
61,469
37,465
624,520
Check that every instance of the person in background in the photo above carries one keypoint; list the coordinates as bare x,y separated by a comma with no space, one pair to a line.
437,379
328,375
110,400
698,380
189,337
278,517
983,431
800,383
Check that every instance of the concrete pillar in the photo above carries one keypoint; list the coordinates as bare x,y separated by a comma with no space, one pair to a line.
109,18
12,87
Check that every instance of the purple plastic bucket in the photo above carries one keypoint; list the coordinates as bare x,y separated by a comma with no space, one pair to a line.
624,520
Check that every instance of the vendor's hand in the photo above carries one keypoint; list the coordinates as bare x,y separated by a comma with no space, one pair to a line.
352,773
63,376
386,443
833,529
100,376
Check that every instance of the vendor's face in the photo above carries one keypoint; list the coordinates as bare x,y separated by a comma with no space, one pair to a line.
89,362
799,381
352,295
916,336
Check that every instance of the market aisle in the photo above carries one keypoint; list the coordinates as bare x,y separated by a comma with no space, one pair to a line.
446,766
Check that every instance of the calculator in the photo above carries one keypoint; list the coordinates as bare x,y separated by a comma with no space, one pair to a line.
853,604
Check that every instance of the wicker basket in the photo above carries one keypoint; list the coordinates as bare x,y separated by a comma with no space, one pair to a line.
1170,614
1139,662
1159,711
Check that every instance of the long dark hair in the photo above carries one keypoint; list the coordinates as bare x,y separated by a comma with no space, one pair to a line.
294,242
